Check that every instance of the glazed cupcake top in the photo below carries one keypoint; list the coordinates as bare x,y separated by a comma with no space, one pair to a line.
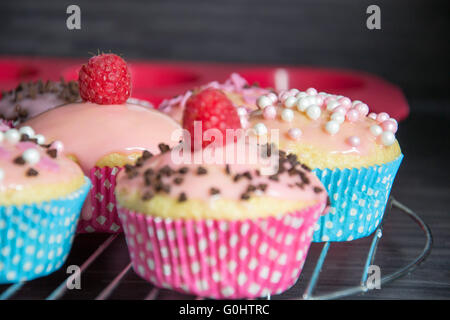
32,98
91,131
314,125
26,162
105,130
224,188
236,88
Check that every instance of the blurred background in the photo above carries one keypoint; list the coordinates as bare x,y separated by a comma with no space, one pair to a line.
411,49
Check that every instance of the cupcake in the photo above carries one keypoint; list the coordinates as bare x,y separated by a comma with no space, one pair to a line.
355,154
32,98
104,134
237,89
41,195
232,227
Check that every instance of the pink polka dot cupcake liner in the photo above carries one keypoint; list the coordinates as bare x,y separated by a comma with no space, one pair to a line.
99,212
220,259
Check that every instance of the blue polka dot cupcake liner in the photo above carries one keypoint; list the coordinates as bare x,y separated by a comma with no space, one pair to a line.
358,199
35,239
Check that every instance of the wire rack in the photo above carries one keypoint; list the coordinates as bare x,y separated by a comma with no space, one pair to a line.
308,294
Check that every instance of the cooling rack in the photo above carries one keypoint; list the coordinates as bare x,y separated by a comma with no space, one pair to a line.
311,282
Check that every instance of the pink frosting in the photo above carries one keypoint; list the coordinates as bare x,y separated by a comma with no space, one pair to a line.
50,171
314,134
198,186
91,131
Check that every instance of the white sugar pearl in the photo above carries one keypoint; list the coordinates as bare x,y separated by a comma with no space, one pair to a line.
287,115
332,104
311,91
294,133
372,115
332,127
311,100
31,156
338,117
12,136
290,102
2,174
376,130
260,129
313,112
354,102
301,94
387,138
241,111
263,102
28,131
354,141
58,145
294,91
40,138
273,97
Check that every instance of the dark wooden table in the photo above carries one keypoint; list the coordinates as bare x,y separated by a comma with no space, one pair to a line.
422,184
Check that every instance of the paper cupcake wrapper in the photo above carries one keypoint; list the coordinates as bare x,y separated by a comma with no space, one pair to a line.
35,239
358,199
217,258
100,212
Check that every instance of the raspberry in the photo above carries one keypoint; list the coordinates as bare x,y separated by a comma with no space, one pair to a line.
105,79
214,110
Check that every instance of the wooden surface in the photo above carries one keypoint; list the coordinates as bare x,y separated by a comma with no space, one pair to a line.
422,184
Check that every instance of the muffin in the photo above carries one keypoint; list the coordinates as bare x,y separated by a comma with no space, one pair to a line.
41,195
235,87
355,154
227,220
219,230
103,136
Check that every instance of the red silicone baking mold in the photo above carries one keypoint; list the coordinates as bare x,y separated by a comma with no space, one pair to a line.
158,80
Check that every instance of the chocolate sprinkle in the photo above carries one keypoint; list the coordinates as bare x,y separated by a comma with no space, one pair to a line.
19,160
247,175
52,153
31,172
163,147
201,171
262,187
147,155
245,196
317,189
149,172
178,180
147,195
166,171
214,191
182,197
183,170
304,166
